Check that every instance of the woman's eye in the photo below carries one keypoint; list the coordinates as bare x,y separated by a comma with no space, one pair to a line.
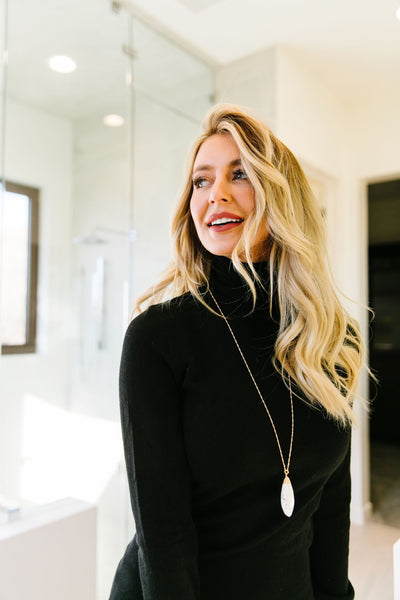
200,182
239,174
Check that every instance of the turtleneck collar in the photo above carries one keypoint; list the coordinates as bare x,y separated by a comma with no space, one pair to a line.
232,292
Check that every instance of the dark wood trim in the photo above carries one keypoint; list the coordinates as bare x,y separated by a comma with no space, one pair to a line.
33,269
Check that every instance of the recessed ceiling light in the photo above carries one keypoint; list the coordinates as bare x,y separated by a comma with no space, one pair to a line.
62,64
398,13
113,120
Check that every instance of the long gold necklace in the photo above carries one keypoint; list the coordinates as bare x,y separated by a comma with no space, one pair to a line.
287,493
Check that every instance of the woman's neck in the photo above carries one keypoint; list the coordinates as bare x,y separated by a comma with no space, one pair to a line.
230,288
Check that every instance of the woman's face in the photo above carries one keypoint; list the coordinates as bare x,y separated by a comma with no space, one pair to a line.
222,197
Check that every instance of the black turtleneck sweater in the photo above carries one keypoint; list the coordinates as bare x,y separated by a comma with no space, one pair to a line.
204,467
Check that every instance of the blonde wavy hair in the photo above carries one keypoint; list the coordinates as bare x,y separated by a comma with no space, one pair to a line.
319,345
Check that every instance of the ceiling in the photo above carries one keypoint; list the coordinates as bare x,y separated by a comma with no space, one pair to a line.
352,45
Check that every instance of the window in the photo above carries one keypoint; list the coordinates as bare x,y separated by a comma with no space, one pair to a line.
19,269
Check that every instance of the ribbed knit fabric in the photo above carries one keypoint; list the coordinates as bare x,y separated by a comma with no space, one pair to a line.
204,467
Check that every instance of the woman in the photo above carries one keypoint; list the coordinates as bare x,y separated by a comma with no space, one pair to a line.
236,395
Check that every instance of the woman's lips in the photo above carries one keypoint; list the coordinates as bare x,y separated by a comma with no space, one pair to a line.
224,221
225,226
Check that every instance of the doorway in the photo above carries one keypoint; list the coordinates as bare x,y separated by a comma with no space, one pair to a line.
384,348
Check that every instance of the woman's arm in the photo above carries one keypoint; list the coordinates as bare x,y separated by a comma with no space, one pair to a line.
330,548
156,461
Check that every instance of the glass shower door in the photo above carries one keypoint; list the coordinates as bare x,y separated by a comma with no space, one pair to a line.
67,136
104,147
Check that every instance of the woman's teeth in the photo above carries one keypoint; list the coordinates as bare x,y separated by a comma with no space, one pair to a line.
223,221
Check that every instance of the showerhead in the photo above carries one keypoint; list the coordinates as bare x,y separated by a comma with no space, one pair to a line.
94,239
90,240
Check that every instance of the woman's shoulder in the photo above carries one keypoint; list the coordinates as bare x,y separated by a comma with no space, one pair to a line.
158,336
165,317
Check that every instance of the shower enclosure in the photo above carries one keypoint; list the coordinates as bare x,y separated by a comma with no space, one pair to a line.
103,147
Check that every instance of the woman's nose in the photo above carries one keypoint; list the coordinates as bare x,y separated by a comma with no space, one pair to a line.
219,192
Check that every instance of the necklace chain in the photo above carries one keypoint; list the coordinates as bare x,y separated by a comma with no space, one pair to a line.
286,466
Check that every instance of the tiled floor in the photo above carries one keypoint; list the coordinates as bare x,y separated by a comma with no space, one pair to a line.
371,560
371,546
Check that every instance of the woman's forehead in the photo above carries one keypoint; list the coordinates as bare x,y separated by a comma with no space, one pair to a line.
218,149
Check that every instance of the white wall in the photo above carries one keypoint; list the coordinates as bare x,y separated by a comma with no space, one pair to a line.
251,81
310,121
39,154
375,129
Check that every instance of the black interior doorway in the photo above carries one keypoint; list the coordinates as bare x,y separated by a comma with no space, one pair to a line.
384,347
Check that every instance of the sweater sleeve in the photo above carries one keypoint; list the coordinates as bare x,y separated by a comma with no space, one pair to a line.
329,552
156,462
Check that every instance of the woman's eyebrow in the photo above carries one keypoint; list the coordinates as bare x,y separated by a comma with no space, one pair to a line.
205,167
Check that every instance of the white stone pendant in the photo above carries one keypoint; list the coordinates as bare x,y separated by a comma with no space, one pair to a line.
287,497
